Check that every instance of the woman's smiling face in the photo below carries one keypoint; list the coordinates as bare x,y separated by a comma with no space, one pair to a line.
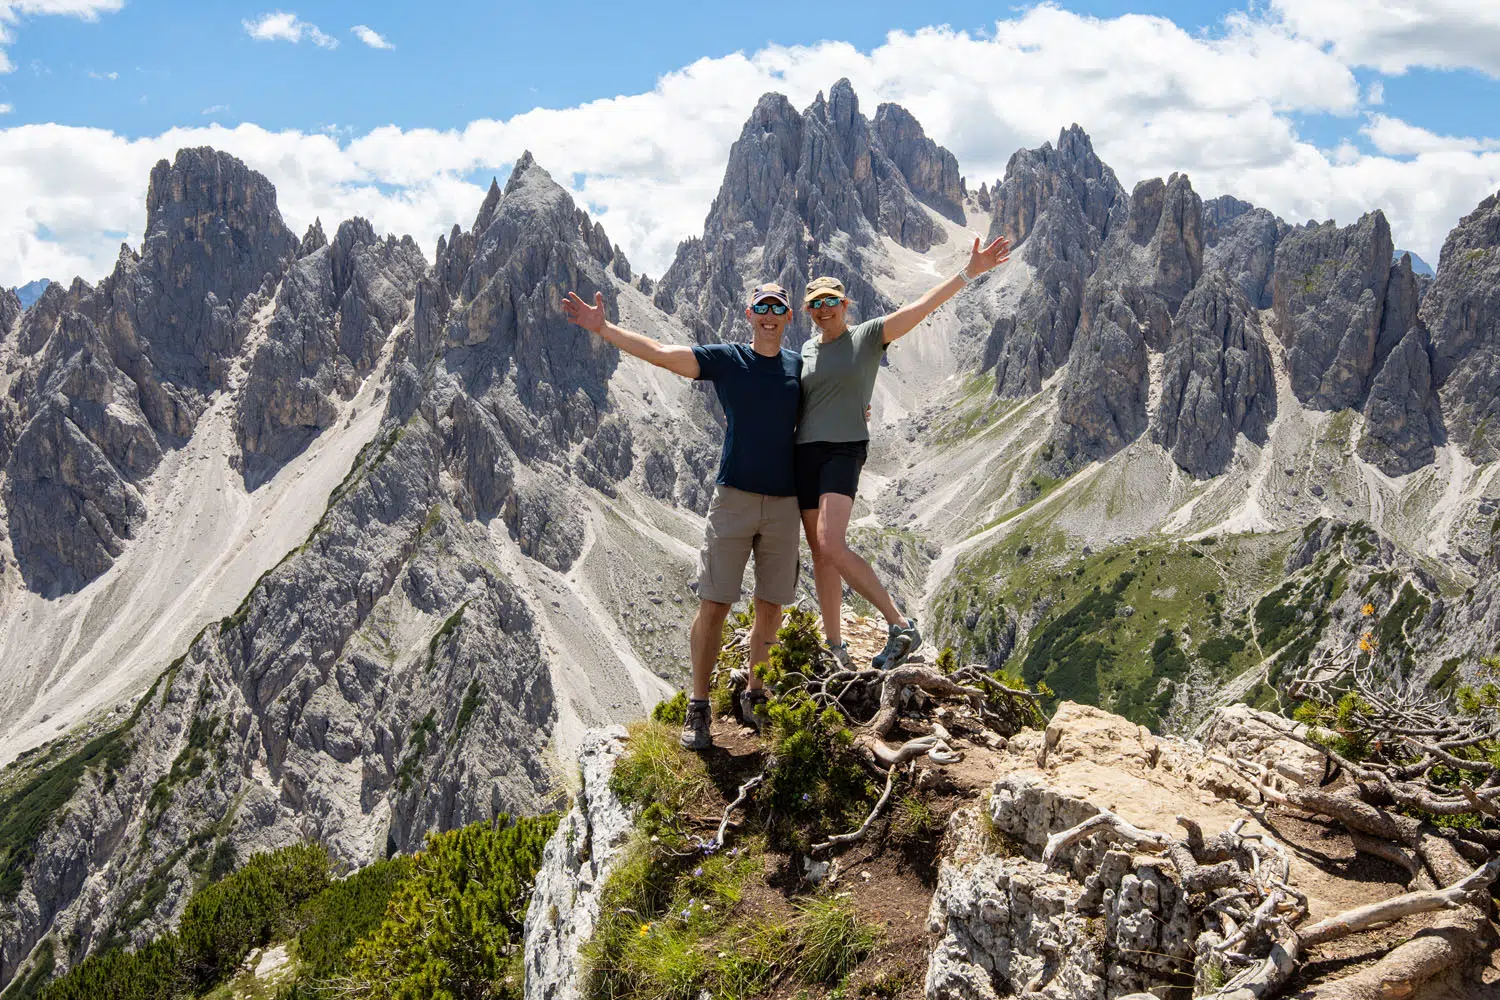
830,319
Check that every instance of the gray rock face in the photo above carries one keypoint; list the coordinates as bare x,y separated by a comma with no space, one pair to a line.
1072,171
929,169
1057,205
515,381
1329,291
1349,319
332,314
1403,417
1101,406
807,194
213,236
10,309
579,858
114,374
70,490
1217,381
1241,240
1462,312
1144,271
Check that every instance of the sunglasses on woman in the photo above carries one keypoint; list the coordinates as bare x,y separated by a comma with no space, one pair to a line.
825,303
774,308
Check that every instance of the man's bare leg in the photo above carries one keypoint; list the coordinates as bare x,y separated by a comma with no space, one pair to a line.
706,637
762,637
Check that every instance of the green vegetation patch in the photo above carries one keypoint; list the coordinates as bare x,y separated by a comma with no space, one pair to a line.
221,925
27,810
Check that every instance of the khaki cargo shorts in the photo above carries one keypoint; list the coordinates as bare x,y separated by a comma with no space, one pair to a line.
740,523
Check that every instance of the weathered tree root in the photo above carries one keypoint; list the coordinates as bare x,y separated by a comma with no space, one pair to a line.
858,835
1430,953
893,682
1469,890
739,800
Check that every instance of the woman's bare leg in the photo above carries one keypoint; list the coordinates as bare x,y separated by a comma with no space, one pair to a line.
832,521
829,584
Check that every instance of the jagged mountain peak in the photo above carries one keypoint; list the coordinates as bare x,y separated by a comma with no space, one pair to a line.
313,240
811,192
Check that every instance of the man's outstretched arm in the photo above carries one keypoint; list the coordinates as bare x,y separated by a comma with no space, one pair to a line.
675,359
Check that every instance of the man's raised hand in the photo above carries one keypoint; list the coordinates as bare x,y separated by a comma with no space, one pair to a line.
590,317
994,255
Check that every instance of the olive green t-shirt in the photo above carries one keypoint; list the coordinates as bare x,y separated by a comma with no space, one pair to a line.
838,379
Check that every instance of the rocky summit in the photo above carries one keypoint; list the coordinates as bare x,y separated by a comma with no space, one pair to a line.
319,539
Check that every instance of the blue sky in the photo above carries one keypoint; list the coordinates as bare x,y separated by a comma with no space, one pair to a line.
1313,107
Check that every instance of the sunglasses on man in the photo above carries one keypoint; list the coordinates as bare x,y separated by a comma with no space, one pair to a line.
774,308
825,303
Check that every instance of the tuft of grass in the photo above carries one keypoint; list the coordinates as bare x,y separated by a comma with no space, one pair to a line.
913,819
657,774
668,930
834,939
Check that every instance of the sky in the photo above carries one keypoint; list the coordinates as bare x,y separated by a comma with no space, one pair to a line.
402,112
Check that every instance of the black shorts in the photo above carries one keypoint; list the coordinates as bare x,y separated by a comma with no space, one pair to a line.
828,467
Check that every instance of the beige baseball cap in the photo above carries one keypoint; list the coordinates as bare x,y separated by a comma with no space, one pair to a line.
826,285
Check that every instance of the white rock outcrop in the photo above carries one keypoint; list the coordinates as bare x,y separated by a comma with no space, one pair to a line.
578,859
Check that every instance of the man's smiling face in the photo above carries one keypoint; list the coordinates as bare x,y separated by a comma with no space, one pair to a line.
768,323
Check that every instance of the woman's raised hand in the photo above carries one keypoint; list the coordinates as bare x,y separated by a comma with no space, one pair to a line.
994,255
591,317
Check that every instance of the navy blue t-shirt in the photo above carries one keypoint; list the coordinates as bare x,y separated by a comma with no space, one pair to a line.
760,397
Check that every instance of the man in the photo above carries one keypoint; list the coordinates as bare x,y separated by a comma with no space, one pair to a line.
754,509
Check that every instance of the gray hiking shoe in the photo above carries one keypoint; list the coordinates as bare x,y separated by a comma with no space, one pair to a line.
840,654
696,734
753,703
899,643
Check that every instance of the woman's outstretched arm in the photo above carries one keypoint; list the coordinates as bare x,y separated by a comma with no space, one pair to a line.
678,360
901,322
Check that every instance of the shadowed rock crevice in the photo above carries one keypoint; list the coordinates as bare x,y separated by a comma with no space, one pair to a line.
1217,381
330,319
1057,205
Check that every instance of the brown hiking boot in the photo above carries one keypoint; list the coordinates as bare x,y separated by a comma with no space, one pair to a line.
696,727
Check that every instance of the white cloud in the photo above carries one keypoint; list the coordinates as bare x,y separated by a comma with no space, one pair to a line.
648,165
1375,93
1395,35
6,109
1394,137
214,109
103,76
11,12
371,37
280,26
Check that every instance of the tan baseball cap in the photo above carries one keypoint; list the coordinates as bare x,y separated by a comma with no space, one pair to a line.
770,290
826,285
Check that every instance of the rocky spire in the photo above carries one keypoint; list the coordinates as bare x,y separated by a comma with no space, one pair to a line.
929,170
1241,240
1329,290
1216,381
805,194
1057,205
1462,311
313,240
331,316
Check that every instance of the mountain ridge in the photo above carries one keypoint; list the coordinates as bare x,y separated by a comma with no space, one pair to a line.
504,562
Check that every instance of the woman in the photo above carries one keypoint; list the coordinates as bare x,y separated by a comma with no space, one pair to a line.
839,366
